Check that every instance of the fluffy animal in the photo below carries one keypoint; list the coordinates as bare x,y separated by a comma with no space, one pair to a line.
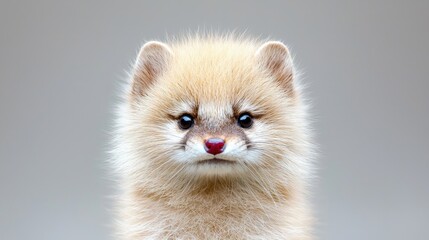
212,142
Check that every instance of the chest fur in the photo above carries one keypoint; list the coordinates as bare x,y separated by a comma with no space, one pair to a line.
221,215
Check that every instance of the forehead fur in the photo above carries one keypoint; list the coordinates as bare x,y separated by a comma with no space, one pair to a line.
216,71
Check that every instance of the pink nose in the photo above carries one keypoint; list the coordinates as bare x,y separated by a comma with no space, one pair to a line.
214,145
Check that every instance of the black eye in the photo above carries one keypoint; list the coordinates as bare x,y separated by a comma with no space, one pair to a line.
186,121
245,120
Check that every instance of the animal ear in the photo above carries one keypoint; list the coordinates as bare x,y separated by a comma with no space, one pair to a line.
151,62
274,57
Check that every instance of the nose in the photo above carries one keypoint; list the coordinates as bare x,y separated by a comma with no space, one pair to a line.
214,145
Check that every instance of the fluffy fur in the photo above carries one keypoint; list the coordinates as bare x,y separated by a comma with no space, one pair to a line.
167,190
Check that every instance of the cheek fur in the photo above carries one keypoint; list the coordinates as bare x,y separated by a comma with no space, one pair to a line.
173,136
267,142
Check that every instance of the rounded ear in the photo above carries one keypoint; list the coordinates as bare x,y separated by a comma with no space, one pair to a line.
274,57
151,62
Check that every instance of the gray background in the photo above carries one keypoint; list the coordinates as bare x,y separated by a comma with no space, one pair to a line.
365,62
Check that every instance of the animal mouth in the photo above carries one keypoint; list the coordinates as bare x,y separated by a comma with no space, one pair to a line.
216,161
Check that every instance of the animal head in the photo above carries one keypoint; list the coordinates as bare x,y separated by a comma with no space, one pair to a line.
209,107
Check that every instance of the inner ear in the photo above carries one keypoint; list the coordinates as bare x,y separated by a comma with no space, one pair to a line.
151,63
275,58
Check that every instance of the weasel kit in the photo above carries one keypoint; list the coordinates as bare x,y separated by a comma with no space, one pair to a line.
212,142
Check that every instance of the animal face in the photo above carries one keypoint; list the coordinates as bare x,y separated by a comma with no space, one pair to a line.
215,109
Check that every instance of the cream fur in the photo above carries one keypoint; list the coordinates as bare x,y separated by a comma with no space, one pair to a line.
165,193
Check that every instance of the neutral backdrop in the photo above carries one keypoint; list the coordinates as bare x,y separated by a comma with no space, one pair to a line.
365,64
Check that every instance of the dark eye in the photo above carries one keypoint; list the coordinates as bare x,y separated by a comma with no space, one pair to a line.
186,121
245,120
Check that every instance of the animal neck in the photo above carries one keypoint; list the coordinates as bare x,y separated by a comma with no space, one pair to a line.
216,190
